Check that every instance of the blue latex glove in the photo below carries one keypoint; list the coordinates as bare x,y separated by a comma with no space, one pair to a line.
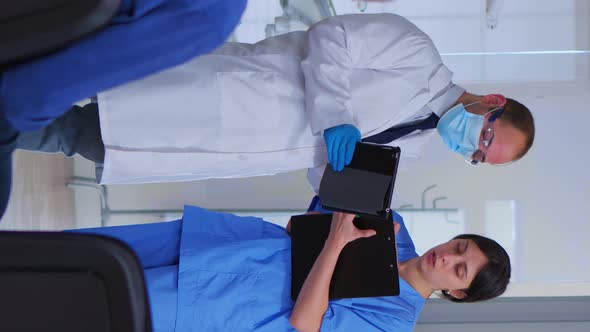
340,143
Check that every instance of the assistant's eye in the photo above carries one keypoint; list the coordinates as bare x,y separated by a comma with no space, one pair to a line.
462,273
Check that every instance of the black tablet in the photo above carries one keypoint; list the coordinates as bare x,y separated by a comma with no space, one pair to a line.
366,185
366,267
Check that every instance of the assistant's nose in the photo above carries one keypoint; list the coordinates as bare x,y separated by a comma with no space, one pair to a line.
450,258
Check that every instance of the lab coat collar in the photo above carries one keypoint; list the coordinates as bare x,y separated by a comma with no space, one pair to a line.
444,100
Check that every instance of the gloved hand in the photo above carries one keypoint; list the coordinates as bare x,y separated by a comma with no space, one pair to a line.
340,143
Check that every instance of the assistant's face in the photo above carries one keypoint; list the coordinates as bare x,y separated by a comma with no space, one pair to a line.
452,265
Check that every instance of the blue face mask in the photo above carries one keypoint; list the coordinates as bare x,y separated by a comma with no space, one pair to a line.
460,130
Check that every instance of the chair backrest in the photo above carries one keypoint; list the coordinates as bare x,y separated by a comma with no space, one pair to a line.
30,28
53,281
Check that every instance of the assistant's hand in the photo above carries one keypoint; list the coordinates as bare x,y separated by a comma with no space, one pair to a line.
343,230
340,143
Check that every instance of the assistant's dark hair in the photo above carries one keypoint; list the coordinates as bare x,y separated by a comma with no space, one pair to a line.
521,118
493,278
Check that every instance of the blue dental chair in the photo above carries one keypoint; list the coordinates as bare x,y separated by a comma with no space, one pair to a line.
31,28
51,281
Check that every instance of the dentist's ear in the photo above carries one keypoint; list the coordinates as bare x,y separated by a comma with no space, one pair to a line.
494,100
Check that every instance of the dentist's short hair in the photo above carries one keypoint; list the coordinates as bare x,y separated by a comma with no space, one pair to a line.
521,118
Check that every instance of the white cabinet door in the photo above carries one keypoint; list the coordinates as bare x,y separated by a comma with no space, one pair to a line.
430,228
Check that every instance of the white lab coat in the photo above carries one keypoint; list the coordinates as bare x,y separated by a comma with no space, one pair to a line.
260,109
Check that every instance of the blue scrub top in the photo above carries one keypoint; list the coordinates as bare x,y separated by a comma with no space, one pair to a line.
216,271
234,274
144,37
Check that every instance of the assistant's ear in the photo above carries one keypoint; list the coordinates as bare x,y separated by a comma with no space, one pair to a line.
494,100
457,293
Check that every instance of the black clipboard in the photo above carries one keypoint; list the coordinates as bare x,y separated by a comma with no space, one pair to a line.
366,267
365,186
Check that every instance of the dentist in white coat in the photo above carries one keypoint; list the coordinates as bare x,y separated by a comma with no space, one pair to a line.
261,109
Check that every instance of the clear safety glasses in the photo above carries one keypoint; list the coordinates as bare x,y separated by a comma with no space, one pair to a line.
487,136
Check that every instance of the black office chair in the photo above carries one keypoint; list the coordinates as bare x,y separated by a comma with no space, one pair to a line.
62,281
67,282
29,28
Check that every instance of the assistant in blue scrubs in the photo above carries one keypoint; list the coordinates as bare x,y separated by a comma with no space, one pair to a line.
215,271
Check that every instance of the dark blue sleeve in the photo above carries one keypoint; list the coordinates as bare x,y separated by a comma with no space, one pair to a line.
7,144
155,244
145,37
